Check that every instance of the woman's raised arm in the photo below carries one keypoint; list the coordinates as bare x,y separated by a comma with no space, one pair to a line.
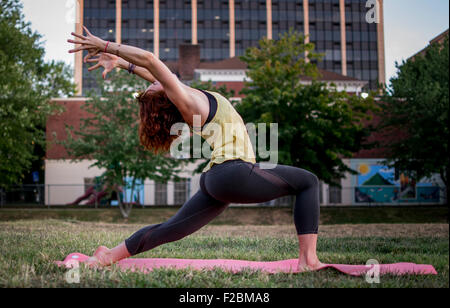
174,89
110,62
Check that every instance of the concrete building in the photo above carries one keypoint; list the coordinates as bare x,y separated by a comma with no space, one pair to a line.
349,32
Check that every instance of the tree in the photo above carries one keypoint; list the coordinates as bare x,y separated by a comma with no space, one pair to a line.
417,105
27,83
210,86
317,125
110,137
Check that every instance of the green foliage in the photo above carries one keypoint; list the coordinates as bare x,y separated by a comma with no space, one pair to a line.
317,125
110,136
210,86
418,105
27,83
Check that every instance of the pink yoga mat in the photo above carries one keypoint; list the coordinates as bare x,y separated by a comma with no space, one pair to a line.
284,266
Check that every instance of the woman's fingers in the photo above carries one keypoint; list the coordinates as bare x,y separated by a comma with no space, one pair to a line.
93,60
77,42
94,67
87,31
79,36
86,57
105,72
91,53
80,48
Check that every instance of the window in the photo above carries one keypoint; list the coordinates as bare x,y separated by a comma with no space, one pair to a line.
335,194
160,193
181,191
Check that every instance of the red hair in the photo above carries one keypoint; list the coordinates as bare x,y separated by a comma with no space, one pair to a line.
157,115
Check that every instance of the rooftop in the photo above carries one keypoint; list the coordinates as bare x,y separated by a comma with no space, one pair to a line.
237,64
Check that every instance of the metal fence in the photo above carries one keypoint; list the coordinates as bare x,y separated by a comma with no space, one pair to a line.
23,195
175,195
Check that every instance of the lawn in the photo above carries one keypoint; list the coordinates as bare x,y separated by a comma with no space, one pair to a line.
238,215
29,247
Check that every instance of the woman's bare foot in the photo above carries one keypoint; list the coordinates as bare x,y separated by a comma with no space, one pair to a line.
309,267
308,264
102,257
308,260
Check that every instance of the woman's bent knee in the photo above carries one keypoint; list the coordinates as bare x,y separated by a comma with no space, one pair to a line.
315,180
311,180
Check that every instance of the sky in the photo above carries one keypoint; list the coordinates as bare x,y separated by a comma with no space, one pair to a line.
409,26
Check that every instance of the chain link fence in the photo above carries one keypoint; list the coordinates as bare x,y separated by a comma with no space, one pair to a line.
175,195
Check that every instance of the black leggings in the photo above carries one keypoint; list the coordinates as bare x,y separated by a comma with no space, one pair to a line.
235,181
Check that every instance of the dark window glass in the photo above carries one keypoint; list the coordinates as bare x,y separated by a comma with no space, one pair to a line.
250,26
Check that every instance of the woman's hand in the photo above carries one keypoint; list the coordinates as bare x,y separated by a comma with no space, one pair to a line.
89,42
107,61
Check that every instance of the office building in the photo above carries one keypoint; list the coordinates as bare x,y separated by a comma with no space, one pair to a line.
224,29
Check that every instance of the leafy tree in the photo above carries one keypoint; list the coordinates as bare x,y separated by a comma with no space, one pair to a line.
110,137
27,83
417,106
317,125
210,86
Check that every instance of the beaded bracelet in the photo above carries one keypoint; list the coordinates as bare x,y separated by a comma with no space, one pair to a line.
131,68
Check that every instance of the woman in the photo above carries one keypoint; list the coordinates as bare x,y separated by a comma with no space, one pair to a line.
232,174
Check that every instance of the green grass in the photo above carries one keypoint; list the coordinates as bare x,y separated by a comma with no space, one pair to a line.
29,247
240,216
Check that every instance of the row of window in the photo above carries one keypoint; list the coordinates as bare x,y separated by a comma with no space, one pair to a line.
214,54
181,192
178,4
356,70
99,4
248,10
364,46
355,5
360,55
244,30
223,33
334,196
137,4
365,64
181,195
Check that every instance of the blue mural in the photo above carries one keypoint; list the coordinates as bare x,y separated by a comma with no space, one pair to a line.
376,183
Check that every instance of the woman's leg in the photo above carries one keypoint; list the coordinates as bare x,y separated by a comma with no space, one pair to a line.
243,182
308,259
306,212
238,182
194,214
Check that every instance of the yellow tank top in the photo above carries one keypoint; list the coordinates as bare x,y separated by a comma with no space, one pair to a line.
226,134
